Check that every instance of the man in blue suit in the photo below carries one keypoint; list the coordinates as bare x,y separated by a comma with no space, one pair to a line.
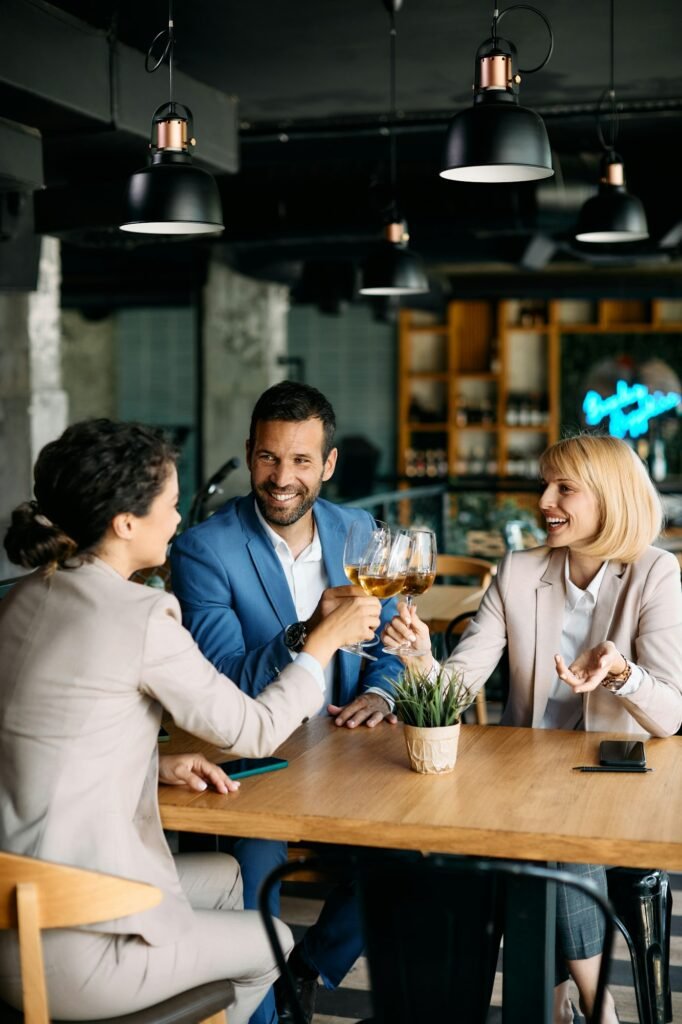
252,581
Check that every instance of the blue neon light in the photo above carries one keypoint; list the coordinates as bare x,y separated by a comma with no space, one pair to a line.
636,421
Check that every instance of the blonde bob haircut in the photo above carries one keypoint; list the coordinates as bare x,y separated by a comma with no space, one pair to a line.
630,509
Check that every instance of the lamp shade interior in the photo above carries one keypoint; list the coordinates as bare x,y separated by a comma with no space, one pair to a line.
392,269
613,215
172,198
497,141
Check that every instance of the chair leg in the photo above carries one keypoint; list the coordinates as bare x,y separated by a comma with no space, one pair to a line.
643,905
216,1018
481,707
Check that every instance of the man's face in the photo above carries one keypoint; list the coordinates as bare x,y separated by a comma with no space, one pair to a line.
287,468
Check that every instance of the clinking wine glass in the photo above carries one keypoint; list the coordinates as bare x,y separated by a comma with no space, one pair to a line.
421,572
383,568
360,535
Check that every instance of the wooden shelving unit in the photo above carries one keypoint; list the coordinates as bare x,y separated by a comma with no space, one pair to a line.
479,394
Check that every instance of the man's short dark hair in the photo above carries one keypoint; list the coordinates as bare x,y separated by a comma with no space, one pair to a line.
293,403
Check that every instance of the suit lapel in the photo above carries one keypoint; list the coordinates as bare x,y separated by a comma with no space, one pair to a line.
550,599
332,533
266,563
606,603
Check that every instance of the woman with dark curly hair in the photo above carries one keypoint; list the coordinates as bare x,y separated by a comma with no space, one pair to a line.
89,660
592,623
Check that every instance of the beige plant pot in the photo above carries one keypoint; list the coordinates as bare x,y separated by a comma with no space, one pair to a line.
432,751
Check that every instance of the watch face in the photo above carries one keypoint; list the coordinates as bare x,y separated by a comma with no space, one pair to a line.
295,635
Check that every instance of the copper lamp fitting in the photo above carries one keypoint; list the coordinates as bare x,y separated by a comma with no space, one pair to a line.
495,71
613,174
395,232
172,134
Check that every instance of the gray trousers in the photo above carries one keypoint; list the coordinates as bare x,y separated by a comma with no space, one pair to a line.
92,975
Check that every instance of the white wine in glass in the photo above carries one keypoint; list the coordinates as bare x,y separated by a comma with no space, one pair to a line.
384,564
420,575
360,535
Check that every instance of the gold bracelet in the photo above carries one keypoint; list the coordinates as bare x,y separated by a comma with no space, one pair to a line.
615,682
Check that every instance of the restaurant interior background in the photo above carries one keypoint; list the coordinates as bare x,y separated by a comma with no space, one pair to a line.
460,387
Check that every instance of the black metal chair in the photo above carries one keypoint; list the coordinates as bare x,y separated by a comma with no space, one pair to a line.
642,900
432,930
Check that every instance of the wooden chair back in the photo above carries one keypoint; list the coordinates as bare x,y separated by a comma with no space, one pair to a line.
464,565
36,894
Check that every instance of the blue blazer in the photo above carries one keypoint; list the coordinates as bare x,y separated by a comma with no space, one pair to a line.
236,601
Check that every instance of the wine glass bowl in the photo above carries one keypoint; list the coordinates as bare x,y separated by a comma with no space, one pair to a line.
384,565
419,576
364,534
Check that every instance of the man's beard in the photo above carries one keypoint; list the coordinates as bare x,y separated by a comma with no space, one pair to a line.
289,513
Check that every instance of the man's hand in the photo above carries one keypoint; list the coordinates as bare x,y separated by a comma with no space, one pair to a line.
369,708
331,598
195,771
591,667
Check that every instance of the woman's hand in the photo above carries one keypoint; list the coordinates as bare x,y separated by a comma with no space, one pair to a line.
407,627
590,669
195,771
355,617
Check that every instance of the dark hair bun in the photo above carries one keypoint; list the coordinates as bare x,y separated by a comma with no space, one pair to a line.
33,541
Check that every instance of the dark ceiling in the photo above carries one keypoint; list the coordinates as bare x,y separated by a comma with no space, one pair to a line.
311,80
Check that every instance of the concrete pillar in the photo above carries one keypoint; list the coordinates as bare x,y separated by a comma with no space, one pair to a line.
33,405
244,332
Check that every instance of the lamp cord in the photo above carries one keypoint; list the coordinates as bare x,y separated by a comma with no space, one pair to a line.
392,156
167,37
499,15
608,97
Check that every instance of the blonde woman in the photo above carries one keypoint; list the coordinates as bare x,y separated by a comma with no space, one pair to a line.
593,627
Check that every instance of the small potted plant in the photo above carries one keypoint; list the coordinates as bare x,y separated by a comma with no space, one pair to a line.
431,708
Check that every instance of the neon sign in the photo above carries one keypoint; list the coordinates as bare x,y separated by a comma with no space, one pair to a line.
635,421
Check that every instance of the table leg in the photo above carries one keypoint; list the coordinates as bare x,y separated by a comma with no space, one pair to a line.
529,959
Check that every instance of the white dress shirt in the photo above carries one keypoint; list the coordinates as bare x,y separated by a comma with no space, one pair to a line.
564,707
307,579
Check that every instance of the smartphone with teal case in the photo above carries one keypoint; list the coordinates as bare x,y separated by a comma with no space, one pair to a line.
243,766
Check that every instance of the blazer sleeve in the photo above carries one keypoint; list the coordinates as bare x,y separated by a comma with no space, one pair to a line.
208,704
657,702
202,585
485,638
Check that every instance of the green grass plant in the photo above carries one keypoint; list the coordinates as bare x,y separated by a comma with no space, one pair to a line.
429,702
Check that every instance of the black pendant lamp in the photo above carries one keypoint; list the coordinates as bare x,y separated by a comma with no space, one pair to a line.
613,215
391,268
498,140
171,196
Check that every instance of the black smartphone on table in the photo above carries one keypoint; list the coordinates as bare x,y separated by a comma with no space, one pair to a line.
622,754
240,767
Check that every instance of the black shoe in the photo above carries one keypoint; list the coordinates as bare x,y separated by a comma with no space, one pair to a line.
306,991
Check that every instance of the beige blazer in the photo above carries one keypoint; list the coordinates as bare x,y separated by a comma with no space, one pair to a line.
639,608
87,661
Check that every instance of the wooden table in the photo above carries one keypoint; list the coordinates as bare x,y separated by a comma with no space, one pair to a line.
512,794
441,603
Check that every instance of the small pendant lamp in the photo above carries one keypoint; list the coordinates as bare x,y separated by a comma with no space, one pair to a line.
613,215
391,268
498,140
171,196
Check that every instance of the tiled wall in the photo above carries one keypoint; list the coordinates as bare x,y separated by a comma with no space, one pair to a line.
156,379
352,359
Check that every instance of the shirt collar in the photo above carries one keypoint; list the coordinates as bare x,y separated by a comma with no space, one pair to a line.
574,594
313,553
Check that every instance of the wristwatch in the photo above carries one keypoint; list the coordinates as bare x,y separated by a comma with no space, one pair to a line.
615,682
295,636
